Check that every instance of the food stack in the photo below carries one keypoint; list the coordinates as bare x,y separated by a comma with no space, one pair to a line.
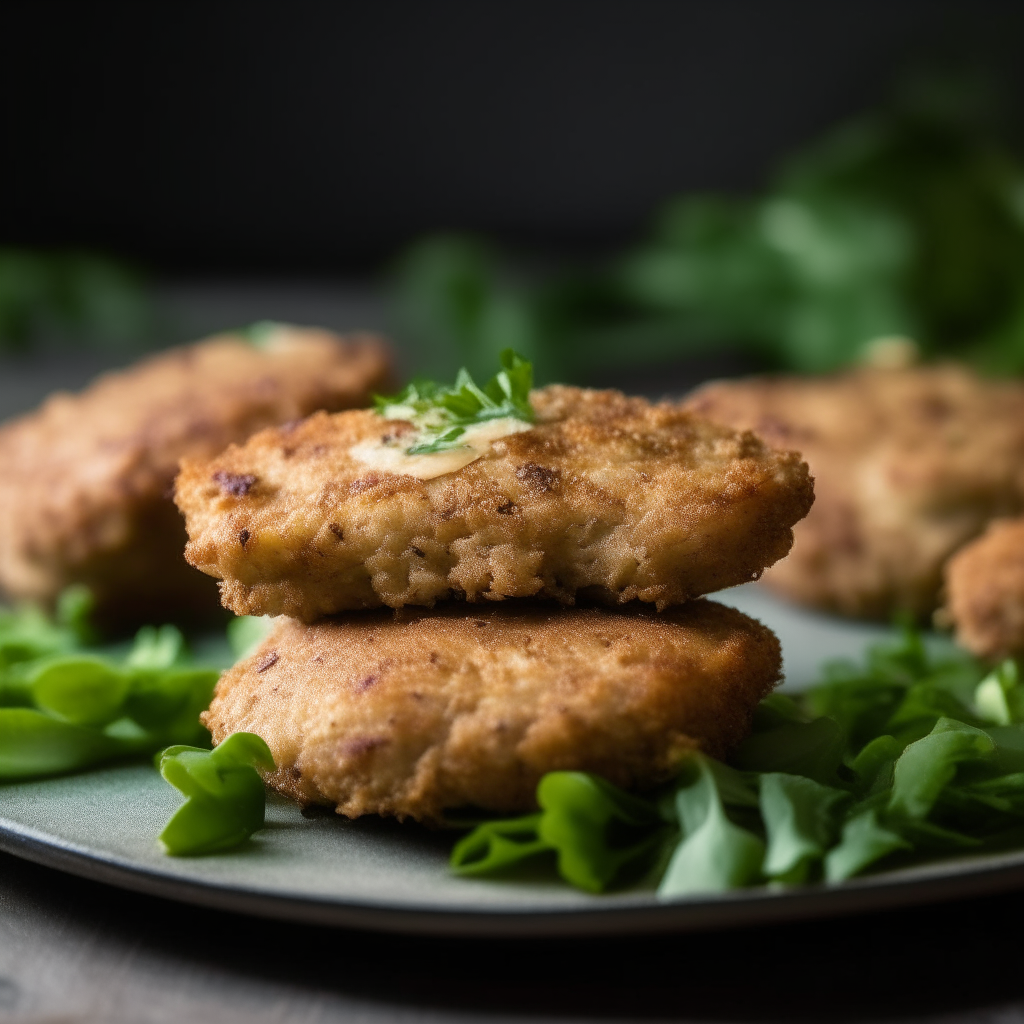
477,585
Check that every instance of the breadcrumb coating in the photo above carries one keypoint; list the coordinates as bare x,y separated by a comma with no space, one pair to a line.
607,496
909,465
985,592
85,480
413,713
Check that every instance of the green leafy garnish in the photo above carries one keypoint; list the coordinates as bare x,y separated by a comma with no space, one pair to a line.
714,852
67,704
911,756
442,414
595,830
226,799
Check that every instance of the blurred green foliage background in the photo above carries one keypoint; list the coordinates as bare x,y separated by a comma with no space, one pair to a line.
907,222
71,297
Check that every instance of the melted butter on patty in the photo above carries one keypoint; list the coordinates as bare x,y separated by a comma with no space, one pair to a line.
389,453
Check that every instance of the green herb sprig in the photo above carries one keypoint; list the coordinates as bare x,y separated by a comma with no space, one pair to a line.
909,757
442,414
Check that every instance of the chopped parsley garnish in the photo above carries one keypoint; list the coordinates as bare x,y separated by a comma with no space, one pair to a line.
442,414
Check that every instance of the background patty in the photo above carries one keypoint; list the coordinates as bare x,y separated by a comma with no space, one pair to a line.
413,713
909,465
608,495
985,592
85,480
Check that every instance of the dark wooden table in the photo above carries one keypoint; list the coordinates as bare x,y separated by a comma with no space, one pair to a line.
77,951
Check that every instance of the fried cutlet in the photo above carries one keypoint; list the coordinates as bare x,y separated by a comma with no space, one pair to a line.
985,592
909,465
413,713
85,480
606,495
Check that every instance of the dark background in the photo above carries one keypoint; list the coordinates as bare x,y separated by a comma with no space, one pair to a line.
318,138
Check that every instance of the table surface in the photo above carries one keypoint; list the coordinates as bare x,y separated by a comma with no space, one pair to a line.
78,951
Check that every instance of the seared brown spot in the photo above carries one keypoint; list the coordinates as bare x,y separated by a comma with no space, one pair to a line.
364,483
540,478
337,531
416,551
268,659
508,509
936,407
243,537
236,484
363,745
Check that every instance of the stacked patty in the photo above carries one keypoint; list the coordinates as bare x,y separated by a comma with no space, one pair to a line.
85,481
451,630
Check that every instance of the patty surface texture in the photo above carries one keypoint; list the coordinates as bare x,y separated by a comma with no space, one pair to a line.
85,480
412,713
985,592
909,465
606,495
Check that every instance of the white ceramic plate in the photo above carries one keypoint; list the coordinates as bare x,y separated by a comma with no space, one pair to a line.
379,874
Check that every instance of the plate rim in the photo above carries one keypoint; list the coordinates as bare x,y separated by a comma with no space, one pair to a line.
937,881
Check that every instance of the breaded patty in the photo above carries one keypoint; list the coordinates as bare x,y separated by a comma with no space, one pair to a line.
413,713
606,495
985,592
85,480
909,465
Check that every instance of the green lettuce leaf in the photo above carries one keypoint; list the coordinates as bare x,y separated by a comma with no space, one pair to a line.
864,842
596,829
802,820
494,846
714,854
226,799
926,767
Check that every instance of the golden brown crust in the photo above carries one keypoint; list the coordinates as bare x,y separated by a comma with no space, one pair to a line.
908,464
412,713
985,592
606,495
84,480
